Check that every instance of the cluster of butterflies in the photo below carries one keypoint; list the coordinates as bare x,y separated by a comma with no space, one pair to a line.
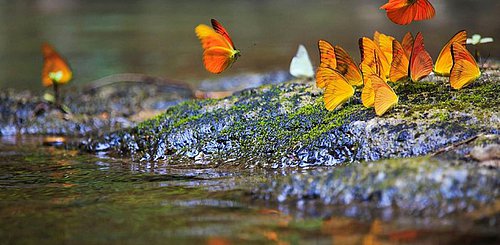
384,59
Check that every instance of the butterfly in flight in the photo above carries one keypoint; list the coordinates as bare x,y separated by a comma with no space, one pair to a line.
417,66
301,65
56,70
218,49
444,61
465,69
403,12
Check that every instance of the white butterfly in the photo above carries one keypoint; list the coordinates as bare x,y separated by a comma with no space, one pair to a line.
301,65
476,38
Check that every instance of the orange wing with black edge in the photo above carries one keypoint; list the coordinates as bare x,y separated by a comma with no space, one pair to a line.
221,30
465,69
403,12
218,50
371,54
385,97
327,55
337,91
55,69
347,67
444,61
407,43
420,60
400,63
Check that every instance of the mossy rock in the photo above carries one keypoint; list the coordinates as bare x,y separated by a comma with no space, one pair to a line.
287,124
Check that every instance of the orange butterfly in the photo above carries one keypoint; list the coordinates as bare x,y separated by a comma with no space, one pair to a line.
385,97
416,67
465,69
338,90
218,49
407,43
367,93
371,54
55,70
385,44
336,58
400,63
403,12
444,61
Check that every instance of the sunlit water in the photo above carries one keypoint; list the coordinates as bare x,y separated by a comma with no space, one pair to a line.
56,196
157,38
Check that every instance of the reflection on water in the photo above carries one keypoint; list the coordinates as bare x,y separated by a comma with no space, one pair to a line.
58,196
157,37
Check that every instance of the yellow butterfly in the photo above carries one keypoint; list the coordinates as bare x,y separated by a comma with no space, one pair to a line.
444,61
465,69
385,97
337,88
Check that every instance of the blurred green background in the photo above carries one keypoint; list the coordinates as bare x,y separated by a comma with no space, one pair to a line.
157,38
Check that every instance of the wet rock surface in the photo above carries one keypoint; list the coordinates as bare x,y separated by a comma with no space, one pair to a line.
286,125
93,110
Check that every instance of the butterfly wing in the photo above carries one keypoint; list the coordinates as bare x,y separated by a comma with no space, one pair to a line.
327,55
423,10
403,12
218,52
385,97
222,31
347,67
337,91
399,11
400,63
420,60
55,69
371,55
301,65
444,61
465,69
385,44
367,93
407,43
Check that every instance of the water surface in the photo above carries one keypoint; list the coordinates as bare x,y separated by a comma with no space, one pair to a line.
157,38
50,195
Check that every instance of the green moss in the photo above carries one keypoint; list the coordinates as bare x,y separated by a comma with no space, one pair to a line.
186,120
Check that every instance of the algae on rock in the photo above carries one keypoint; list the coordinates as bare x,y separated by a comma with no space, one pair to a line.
287,125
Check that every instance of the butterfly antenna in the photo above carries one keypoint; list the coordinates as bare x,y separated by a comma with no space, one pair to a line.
484,61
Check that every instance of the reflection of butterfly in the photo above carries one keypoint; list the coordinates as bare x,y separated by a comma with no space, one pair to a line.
338,90
385,97
403,12
416,67
338,59
465,69
301,65
371,54
218,48
476,38
55,69
444,61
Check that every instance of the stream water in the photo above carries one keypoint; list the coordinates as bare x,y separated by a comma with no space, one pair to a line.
50,195
155,37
